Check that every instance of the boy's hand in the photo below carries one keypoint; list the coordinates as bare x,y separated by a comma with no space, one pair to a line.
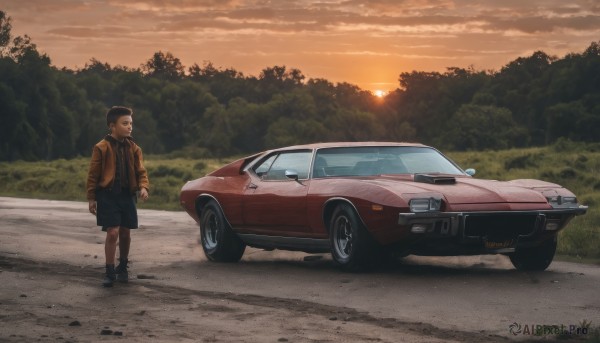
144,194
92,206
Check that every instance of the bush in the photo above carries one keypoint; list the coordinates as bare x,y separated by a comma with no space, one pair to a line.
567,173
162,171
200,166
522,162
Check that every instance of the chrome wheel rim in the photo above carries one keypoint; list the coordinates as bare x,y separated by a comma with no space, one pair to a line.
342,237
210,230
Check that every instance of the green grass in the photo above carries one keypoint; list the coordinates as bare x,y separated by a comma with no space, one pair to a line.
574,166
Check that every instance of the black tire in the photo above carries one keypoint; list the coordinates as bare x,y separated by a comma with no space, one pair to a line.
352,247
219,242
534,258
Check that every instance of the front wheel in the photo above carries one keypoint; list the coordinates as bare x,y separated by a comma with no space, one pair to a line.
352,247
219,242
535,258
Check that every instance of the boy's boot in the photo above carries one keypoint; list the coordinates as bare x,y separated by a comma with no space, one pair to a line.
110,276
122,274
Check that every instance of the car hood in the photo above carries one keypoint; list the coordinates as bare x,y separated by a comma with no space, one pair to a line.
467,190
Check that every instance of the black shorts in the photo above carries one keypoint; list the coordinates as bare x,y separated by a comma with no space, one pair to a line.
116,209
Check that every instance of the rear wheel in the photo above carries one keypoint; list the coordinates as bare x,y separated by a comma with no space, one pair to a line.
219,242
534,258
352,247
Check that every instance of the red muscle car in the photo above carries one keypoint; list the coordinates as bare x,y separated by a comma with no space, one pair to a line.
363,201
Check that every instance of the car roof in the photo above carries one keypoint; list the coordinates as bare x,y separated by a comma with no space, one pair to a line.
249,161
347,144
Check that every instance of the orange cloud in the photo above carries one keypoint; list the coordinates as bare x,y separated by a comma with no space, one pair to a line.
356,41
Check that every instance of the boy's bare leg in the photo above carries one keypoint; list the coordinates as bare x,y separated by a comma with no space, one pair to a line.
110,245
124,243
110,248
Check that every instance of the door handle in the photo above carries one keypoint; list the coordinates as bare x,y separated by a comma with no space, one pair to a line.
252,186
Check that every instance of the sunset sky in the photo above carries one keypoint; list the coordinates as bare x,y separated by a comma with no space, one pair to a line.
367,43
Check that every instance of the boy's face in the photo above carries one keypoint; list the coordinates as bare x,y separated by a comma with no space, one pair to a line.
122,127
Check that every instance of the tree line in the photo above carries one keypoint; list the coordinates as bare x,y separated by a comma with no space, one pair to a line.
50,113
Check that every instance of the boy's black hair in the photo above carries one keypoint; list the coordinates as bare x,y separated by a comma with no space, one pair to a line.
115,112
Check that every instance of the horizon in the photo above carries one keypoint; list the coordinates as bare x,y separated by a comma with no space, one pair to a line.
365,43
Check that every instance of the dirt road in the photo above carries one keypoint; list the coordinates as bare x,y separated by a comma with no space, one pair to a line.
51,265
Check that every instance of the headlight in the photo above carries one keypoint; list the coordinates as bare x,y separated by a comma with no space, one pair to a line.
425,204
552,225
560,200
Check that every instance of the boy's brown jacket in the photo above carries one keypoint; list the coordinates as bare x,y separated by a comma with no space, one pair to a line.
103,166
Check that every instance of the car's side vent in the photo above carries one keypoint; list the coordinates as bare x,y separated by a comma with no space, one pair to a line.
435,179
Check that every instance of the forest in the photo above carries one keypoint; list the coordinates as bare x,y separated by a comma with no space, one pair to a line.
208,111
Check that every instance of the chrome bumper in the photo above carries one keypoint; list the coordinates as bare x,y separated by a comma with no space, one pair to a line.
453,223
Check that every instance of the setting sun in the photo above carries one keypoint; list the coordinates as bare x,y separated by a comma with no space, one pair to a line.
379,93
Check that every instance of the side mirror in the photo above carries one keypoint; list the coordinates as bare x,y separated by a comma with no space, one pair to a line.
291,174
470,171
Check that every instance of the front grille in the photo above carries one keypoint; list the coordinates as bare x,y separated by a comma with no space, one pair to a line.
495,226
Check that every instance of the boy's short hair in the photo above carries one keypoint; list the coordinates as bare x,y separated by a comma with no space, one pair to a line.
115,112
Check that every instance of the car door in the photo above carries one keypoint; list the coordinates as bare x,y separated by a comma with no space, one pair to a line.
274,204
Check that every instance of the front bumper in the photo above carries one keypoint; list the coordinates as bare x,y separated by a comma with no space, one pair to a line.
489,231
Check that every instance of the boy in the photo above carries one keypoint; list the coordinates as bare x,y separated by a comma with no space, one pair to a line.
116,173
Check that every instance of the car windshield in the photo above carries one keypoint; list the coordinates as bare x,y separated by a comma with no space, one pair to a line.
366,161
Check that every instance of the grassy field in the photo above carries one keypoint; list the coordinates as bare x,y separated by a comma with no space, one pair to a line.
575,166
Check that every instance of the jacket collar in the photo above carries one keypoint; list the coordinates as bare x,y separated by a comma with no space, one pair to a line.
111,139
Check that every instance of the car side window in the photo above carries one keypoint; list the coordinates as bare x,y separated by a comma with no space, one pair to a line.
264,167
298,161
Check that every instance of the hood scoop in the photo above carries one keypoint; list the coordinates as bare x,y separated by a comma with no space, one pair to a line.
435,179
